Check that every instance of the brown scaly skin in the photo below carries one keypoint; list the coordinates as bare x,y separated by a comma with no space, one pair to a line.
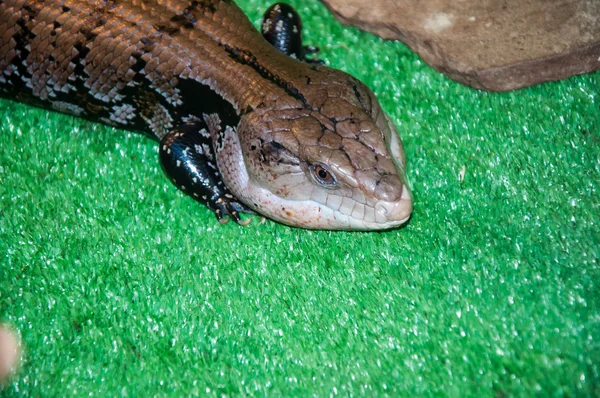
242,126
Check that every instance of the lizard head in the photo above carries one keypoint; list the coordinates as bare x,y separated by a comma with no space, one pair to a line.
335,163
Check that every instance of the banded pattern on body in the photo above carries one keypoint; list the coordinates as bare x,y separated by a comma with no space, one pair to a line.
112,62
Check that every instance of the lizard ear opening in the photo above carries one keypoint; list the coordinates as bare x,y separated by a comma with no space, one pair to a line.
274,152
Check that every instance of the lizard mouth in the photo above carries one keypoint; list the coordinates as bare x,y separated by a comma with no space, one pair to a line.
348,215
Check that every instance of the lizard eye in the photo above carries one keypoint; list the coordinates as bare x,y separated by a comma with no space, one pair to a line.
322,175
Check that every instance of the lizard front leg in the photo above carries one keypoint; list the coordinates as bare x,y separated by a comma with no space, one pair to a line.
187,157
282,27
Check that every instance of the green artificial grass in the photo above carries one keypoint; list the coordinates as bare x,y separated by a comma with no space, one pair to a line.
120,285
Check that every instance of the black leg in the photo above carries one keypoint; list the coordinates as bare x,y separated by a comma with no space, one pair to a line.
282,27
187,157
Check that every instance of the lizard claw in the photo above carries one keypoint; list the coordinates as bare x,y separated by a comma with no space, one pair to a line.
244,222
227,207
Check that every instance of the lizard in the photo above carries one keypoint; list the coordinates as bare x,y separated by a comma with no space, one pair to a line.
245,122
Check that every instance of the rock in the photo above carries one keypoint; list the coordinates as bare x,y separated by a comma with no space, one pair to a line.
488,44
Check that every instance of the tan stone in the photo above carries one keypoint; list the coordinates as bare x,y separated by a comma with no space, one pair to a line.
494,45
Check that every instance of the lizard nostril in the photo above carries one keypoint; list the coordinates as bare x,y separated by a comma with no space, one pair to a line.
382,209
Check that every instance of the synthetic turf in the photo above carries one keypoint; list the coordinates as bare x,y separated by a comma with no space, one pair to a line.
120,284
